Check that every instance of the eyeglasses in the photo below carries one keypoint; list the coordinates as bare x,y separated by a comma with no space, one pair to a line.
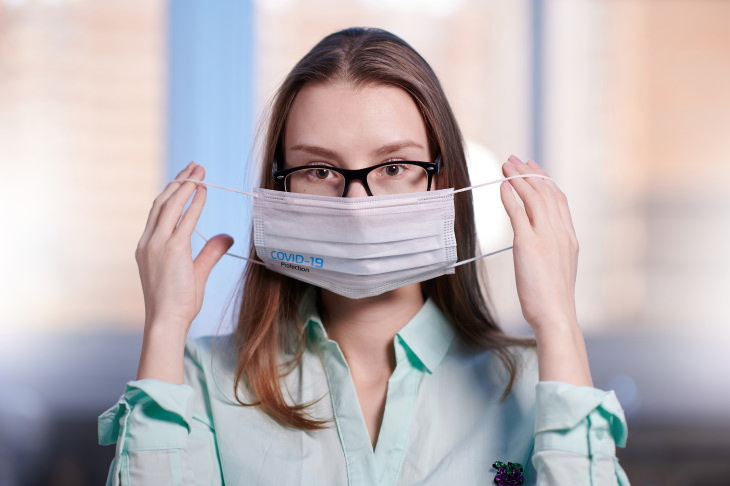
396,177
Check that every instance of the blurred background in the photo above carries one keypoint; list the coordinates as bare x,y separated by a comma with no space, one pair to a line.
626,102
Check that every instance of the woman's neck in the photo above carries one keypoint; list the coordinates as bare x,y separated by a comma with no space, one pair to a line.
365,328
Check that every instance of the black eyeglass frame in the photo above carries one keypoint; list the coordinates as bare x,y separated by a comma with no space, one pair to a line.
359,174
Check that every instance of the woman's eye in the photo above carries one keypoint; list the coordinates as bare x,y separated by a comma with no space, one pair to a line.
321,173
393,170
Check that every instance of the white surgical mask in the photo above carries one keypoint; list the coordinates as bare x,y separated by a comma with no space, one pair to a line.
358,247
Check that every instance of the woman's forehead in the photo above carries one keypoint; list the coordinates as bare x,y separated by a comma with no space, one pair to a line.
342,116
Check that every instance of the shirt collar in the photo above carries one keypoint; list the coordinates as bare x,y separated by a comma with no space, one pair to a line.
426,338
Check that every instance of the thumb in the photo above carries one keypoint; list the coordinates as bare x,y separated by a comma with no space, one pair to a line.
213,250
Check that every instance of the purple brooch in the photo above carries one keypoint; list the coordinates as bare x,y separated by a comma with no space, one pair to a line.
509,474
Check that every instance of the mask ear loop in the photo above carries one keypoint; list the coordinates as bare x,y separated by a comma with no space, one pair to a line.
469,188
463,262
469,260
202,236
234,255
521,176
208,184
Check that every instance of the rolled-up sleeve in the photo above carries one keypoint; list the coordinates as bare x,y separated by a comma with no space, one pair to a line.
577,430
163,434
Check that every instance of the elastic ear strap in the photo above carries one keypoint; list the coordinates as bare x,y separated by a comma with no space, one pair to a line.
463,262
197,232
521,176
230,254
208,184
469,188
479,257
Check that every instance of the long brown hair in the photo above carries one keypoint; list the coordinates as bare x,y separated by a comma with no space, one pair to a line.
268,322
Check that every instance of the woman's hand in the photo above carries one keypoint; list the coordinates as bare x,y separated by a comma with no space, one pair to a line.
173,282
545,247
545,254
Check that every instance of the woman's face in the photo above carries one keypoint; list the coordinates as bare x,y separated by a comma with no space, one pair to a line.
352,128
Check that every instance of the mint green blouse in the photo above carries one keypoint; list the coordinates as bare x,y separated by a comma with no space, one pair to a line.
444,422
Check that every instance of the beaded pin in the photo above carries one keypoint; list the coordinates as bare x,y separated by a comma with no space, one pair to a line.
509,474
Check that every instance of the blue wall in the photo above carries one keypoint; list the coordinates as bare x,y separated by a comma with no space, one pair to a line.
210,121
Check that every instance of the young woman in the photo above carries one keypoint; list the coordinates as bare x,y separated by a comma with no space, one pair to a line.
364,353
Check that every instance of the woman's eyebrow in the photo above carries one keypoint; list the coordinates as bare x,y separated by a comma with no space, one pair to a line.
315,150
384,150
396,146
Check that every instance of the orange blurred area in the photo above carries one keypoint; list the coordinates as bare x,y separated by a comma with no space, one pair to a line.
81,139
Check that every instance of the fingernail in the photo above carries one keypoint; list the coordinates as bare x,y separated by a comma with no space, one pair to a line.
514,160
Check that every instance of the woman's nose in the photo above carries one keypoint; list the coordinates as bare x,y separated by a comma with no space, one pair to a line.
356,189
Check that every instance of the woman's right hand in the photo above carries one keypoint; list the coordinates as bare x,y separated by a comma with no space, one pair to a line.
173,283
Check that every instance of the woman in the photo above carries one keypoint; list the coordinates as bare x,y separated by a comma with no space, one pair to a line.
370,358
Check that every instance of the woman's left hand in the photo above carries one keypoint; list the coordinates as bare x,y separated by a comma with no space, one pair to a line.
545,247
545,252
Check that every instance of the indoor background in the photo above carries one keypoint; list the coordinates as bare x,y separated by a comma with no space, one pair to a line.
625,102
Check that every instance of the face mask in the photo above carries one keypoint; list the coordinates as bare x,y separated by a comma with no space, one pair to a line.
357,247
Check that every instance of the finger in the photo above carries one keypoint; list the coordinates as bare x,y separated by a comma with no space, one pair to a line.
565,215
187,169
515,212
534,168
529,168
154,213
549,191
561,201
211,253
546,190
172,209
190,171
534,205
189,220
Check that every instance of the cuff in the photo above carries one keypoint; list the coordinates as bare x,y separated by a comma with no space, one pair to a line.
151,414
582,420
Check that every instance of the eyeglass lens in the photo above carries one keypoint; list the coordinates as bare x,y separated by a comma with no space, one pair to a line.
389,179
